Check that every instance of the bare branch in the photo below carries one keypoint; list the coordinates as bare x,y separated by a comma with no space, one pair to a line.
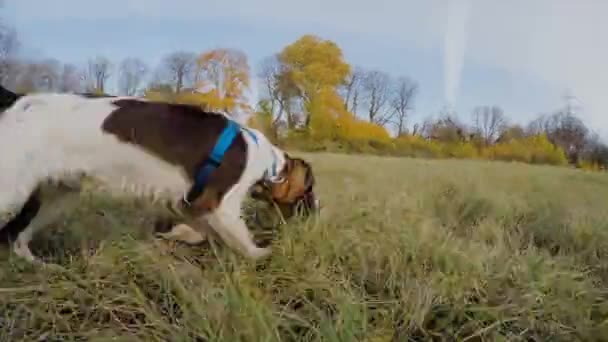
402,101
98,73
179,69
376,87
488,122
9,45
352,90
132,73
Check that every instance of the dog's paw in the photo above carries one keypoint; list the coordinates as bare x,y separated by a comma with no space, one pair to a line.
23,251
259,253
184,233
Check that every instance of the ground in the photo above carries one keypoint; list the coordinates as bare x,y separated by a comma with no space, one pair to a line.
406,249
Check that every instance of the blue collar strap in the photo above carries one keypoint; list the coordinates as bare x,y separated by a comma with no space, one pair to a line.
213,162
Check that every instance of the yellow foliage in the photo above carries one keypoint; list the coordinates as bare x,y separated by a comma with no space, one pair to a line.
312,64
330,121
417,146
463,150
223,74
588,165
153,95
535,149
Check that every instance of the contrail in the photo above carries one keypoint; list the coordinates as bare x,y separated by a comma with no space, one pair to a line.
454,47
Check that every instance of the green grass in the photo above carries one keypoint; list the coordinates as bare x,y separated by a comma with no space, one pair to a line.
406,249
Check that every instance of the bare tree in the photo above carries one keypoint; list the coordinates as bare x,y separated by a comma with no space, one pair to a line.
509,133
99,69
48,72
447,128
488,122
568,132
132,73
402,101
70,79
376,87
9,44
564,129
269,70
352,90
179,68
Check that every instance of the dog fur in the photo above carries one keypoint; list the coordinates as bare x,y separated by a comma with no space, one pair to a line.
139,147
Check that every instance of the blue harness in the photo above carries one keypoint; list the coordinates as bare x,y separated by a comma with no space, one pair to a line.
215,159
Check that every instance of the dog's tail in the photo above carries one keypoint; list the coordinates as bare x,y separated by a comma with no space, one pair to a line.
7,98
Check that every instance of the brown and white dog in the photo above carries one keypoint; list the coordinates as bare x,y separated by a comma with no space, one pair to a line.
146,148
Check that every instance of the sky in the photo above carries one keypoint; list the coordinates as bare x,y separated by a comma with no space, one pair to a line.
522,55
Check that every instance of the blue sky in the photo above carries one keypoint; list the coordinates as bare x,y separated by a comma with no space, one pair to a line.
514,56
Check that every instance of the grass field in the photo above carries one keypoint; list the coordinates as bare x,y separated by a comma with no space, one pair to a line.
406,249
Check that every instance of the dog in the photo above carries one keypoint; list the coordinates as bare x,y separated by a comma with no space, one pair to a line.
201,164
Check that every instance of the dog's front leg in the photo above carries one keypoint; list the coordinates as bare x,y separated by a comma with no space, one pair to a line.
234,232
226,221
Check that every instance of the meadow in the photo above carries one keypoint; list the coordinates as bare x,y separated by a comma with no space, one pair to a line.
405,250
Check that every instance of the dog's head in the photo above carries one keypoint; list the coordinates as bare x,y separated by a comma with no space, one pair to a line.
294,193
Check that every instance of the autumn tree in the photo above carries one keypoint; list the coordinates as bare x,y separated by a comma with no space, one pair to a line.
222,75
98,72
310,66
178,69
488,123
402,101
131,75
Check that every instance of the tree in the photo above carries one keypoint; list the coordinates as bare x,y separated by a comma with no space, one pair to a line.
352,89
179,68
446,129
509,133
488,123
564,129
376,86
9,45
48,75
310,66
224,75
99,69
70,79
568,132
132,73
403,101
277,102
595,152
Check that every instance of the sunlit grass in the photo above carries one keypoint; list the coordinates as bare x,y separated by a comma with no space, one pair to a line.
406,249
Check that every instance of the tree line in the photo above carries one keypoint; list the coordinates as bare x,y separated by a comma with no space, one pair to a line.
312,98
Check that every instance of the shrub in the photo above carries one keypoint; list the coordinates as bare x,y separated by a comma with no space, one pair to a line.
417,146
535,149
462,150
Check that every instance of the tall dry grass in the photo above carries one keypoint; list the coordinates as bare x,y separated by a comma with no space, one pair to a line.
406,249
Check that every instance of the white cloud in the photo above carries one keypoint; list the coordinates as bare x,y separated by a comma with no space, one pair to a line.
560,41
